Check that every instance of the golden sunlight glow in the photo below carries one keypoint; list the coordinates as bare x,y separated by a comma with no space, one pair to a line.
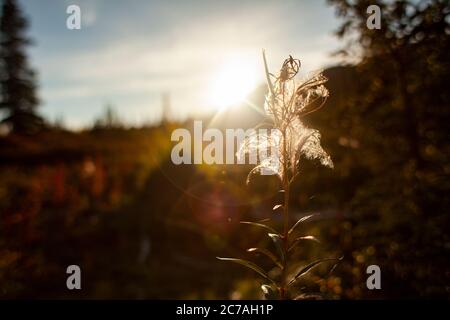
231,86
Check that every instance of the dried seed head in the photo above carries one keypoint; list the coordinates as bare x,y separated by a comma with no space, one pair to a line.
289,69
287,102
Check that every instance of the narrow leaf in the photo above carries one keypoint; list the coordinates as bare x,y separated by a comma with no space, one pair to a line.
256,224
266,68
309,297
269,292
276,238
297,240
299,222
249,265
308,268
268,254
278,206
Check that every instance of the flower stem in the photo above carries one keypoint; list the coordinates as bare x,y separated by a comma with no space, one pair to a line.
286,186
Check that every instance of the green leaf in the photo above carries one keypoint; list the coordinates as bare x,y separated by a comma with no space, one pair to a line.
249,265
299,222
310,266
278,241
298,239
268,254
256,224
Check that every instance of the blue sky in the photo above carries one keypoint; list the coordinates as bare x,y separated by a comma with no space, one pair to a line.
128,53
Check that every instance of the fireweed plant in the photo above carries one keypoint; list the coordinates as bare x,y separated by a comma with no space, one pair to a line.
287,102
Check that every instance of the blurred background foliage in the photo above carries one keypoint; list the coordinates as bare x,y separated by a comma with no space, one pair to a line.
110,200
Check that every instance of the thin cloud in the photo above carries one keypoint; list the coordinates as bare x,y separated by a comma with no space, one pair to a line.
180,53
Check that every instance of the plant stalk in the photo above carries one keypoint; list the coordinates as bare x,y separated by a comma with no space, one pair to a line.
286,187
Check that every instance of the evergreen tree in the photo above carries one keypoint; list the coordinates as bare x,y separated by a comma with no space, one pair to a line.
17,79
391,113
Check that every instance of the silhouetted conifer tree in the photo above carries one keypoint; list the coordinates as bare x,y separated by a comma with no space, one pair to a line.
17,79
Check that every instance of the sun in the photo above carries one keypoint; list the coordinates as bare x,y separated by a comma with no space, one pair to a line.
232,84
